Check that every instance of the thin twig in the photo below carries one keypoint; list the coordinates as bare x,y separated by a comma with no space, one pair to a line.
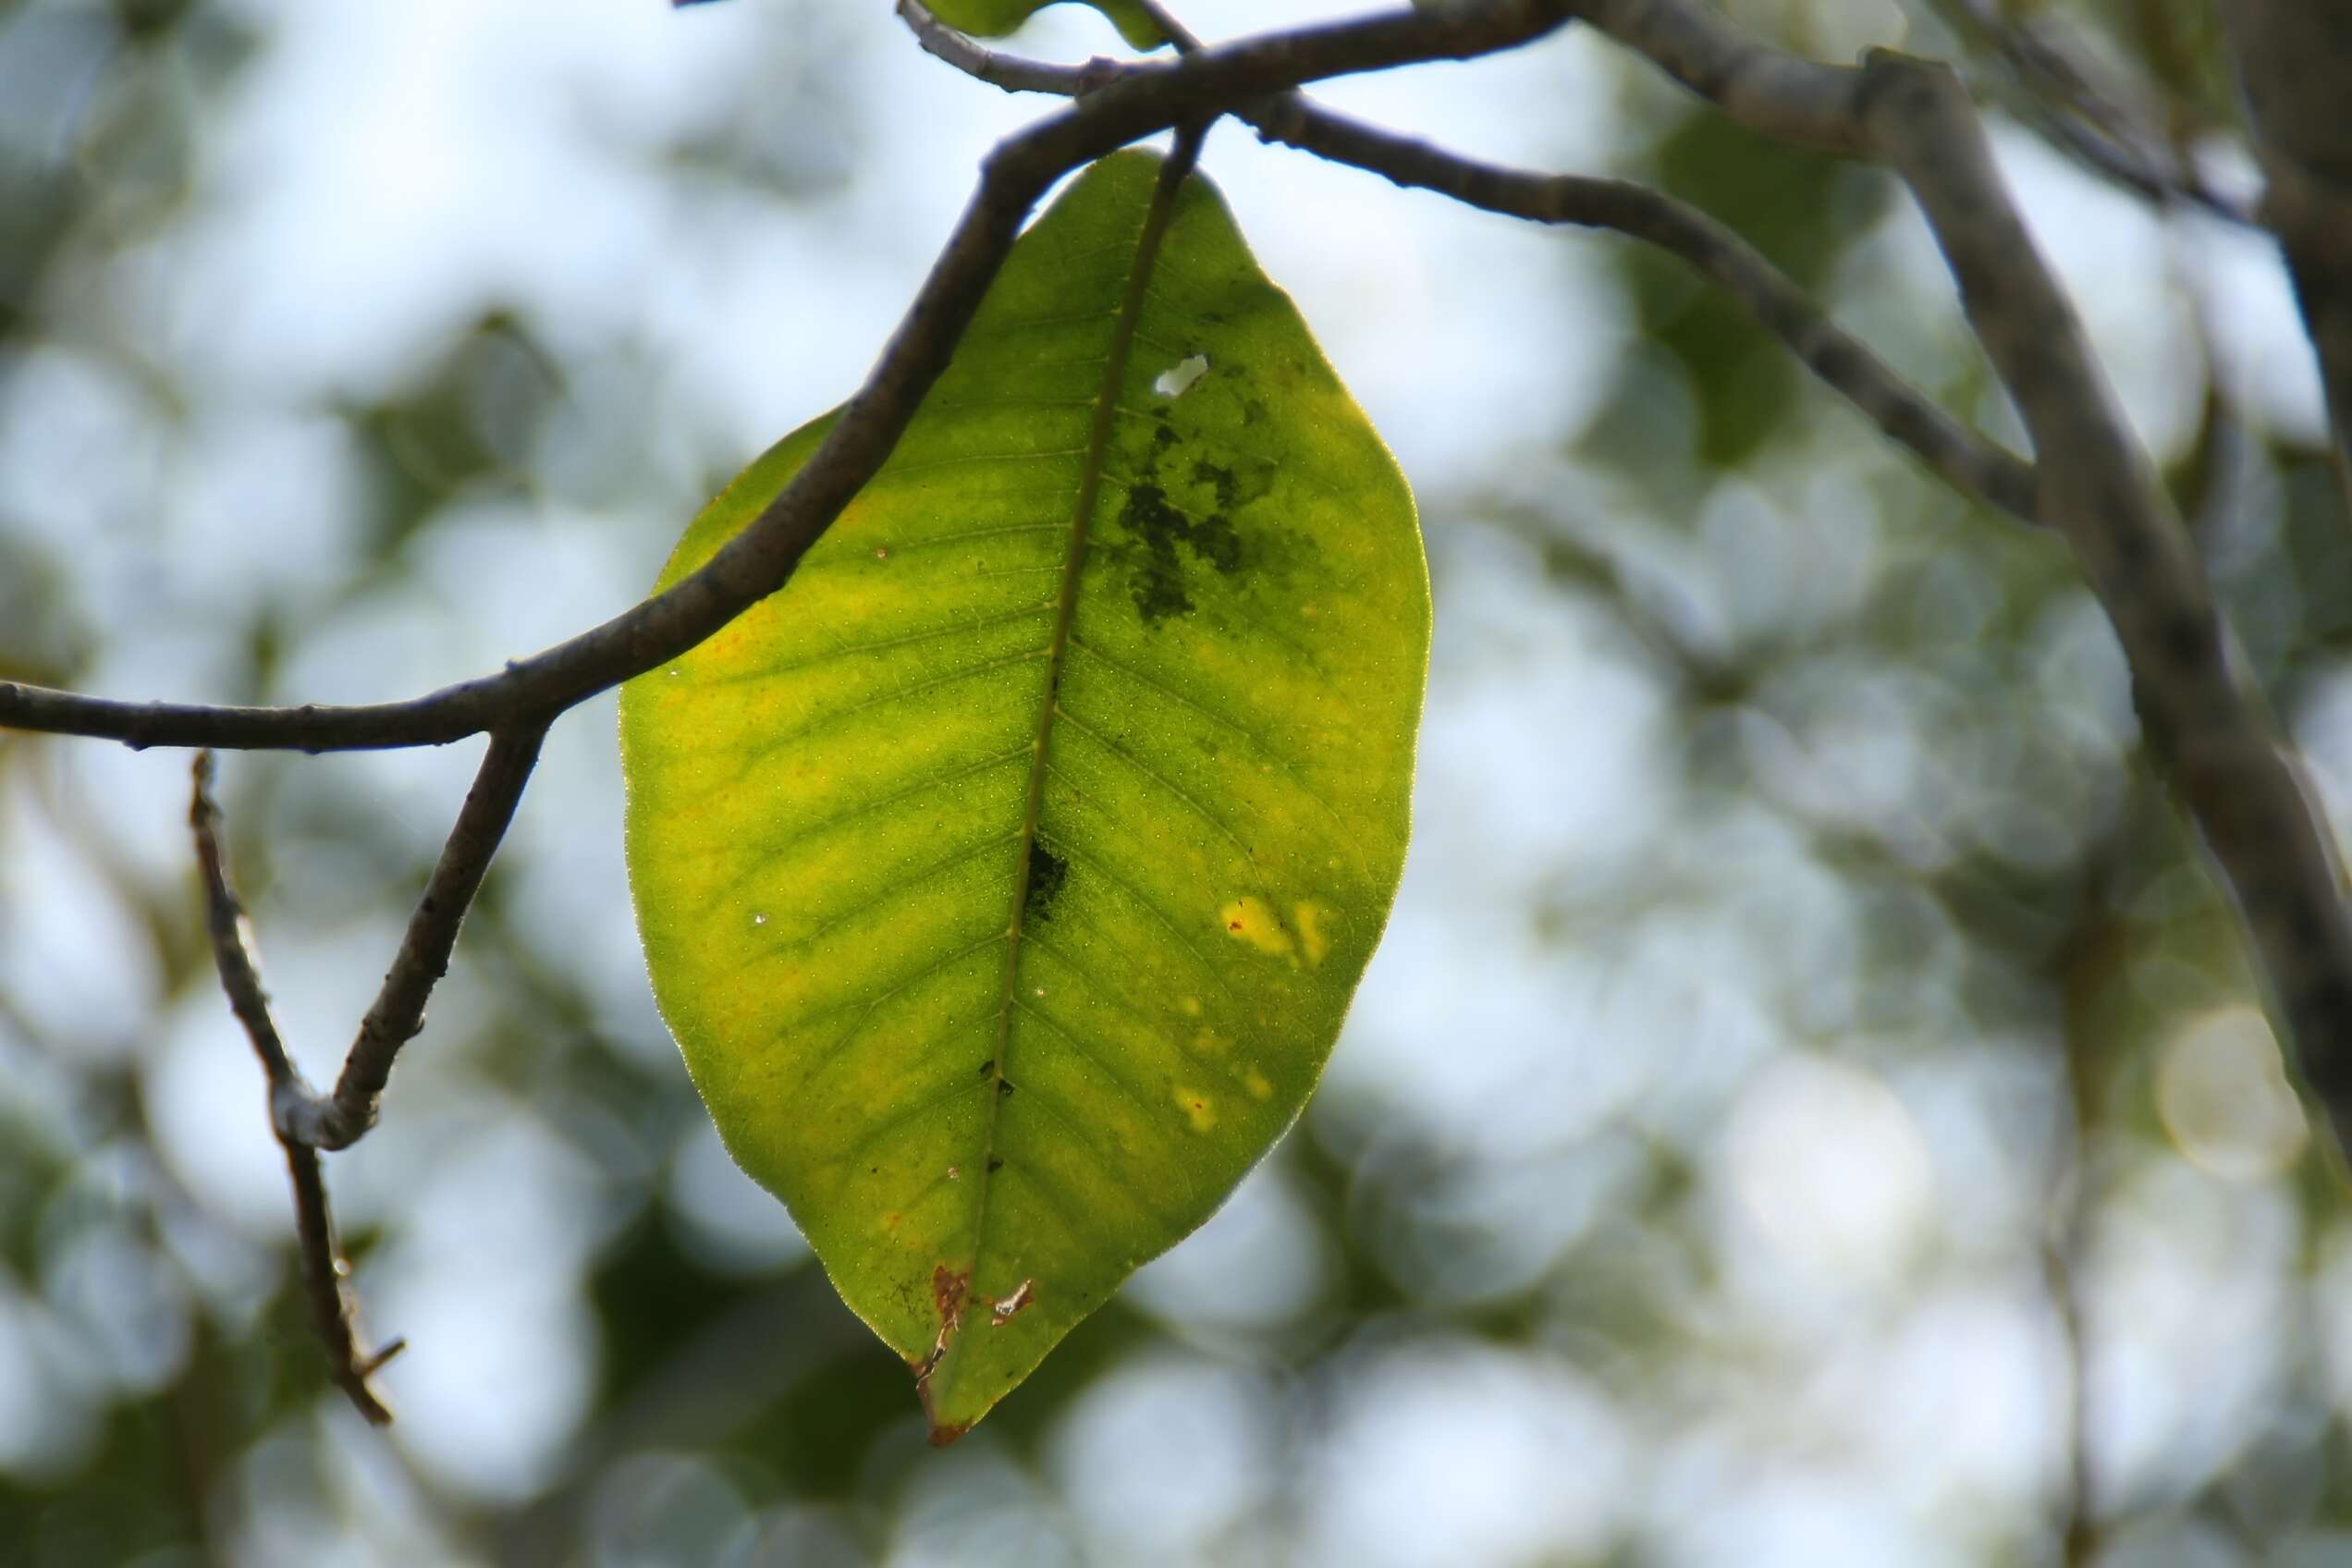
1145,99
2085,962
1183,40
1014,73
338,1120
1967,461
323,1269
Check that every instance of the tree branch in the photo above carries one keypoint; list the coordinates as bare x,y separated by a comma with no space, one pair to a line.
2096,485
1145,99
342,1118
1014,73
1964,459
1774,94
323,1269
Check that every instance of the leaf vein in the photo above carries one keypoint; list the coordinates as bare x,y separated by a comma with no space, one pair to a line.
1145,769
1070,851
832,1053
1265,749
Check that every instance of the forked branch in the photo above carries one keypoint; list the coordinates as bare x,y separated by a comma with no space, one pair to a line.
324,1271
338,1120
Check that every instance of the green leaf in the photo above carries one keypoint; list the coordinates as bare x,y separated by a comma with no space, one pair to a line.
1006,876
993,18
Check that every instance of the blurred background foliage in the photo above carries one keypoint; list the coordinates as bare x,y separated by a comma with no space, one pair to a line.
1809,1065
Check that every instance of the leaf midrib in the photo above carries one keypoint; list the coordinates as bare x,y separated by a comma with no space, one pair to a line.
1148,239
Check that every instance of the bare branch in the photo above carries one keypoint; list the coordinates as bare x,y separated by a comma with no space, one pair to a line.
340,1120
1014,73
323,1269
2096,485
2221,748
1964,459
757,562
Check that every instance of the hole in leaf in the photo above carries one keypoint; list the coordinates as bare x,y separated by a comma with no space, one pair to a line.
1178,378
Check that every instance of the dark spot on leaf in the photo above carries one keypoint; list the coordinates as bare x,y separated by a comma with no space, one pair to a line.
1215,542
1154,576
1004,1086
988,1067
996,1163
1253,411
1155,529
1164,437
1047,872
1219,480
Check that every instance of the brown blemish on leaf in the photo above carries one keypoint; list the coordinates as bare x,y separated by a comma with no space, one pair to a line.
950,1289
